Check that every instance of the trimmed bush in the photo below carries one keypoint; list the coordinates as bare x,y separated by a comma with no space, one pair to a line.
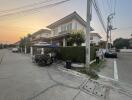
75,54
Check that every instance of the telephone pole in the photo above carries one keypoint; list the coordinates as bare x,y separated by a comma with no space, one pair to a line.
109,28
89,7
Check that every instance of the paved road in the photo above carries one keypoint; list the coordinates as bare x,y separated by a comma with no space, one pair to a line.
2,52
124,66
20,79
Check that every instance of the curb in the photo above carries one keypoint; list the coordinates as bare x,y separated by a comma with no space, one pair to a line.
75,73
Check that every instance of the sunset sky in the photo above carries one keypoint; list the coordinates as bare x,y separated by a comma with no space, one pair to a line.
13,27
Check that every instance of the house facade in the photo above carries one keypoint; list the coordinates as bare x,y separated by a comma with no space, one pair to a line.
95,38
60,30
42,35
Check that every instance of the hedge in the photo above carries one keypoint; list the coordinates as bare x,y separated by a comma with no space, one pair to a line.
76,54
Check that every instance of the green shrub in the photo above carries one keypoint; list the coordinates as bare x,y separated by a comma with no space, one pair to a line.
76,54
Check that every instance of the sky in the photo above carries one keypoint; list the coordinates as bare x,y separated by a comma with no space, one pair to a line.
15,26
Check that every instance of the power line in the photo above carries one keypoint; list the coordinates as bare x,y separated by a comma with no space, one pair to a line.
36,8
115,3
25,6
99,14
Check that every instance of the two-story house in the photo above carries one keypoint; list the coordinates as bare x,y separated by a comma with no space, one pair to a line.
62,28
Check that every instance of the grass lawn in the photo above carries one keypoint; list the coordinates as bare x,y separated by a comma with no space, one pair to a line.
97,67
92,71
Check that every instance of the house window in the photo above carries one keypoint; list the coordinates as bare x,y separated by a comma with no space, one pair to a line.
63,28
69,27
55,31
75,26
91,37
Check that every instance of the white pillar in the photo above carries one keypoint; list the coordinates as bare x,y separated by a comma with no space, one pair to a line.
25,50
31,50
64,42
42,51
21,50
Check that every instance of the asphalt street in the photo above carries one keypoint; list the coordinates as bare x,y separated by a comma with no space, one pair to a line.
124,66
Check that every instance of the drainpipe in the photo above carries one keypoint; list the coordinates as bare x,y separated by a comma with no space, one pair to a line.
64,42
25,50
31,51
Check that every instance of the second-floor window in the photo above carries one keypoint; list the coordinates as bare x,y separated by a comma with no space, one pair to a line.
75,26
69,27
91,37
63,28
66,27
55,31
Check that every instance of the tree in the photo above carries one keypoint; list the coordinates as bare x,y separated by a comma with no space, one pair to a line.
25,41
76,37
121,43
102,44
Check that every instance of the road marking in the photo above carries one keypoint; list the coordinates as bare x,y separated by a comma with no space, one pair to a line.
115,70
107,78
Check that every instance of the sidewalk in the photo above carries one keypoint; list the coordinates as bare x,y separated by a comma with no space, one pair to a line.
108,70
97,90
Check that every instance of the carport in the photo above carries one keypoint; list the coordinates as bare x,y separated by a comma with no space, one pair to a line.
41,47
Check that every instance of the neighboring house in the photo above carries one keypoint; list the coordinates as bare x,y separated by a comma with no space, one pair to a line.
95,38
40,36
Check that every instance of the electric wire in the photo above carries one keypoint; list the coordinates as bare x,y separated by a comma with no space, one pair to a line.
99,14
25,6
36,8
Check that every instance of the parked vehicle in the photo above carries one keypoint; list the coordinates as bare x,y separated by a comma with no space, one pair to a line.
43,59
111,55
15,50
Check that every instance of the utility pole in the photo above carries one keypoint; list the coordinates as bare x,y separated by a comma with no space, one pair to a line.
109,28
89,7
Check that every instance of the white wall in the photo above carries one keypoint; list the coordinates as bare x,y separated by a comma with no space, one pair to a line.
76,24
58,28
95,40
45,35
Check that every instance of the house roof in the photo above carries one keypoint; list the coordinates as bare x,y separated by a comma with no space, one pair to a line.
96,34
73,15
41,31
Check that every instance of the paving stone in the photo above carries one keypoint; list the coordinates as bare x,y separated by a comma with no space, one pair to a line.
90,86
95,89
100,90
